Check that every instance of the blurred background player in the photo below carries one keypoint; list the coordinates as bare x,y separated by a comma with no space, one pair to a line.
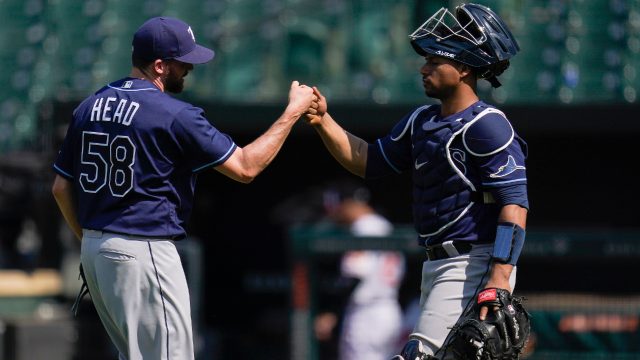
372,317
469,181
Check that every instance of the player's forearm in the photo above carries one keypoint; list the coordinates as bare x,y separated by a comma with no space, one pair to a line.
260,153
501,272
62,193
513,214
349,150
499,276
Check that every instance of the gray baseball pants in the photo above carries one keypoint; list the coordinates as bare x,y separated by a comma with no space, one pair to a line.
140,292
448,287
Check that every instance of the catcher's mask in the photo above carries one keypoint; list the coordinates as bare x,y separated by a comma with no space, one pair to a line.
475,36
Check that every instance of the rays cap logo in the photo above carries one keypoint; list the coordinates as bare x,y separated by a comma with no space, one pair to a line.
169,38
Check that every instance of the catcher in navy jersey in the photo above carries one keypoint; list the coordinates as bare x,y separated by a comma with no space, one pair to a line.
469,182
125,183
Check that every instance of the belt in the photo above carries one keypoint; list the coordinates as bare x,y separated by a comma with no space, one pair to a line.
98,233
448,249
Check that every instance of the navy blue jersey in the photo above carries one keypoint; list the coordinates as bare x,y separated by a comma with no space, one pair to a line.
133,154
454,161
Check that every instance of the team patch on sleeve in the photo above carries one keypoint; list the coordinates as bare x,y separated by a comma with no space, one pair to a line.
508,168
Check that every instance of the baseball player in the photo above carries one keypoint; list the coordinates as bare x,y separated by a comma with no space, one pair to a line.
125,182
373,316
468,166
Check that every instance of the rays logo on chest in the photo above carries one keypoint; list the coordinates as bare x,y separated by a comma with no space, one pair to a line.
459,157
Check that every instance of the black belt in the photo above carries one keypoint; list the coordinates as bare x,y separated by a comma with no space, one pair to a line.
448,249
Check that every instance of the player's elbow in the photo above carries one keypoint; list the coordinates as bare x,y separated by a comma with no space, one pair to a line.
246,178
249,172
59,188
248,175
241,167
240,175
237,173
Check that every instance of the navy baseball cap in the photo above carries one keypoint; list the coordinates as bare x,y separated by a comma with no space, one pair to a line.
169,38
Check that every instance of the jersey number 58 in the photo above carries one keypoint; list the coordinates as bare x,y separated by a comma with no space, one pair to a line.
105,161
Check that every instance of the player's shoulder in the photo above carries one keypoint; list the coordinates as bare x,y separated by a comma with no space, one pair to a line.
183,110
87,103
425,111
162,102
175,106
89,100
416,115
488,132
421,111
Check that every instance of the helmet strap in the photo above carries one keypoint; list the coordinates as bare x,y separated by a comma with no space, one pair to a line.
494,81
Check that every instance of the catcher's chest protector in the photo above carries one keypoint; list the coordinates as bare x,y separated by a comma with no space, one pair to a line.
441,185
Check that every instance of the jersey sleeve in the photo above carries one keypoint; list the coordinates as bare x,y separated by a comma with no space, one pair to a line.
392,153
63,164
202,144
511,194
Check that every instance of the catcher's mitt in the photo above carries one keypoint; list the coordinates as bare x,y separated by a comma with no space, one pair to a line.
501,336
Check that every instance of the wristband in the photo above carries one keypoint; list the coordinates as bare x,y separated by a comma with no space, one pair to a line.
509,243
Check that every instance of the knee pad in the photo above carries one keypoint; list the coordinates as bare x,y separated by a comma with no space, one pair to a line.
413,350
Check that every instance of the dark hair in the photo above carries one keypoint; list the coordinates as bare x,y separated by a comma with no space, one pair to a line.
343,189
139,62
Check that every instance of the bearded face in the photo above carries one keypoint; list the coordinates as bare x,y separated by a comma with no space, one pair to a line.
174,81
440,76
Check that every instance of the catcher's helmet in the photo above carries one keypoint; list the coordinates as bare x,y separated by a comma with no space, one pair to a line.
475,36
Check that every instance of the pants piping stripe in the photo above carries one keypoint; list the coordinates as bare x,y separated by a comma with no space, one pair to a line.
466,309
164,308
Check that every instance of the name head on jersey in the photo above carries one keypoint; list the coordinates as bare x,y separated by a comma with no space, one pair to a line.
169,38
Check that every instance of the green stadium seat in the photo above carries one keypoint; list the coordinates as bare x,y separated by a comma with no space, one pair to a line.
355,50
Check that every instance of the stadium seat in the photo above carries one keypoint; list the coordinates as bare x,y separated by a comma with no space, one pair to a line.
354,50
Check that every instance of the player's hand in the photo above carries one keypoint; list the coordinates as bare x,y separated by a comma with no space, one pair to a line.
318,108
323,325
499,279
300,98
484,310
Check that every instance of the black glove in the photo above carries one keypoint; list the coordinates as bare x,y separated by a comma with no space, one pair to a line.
501,336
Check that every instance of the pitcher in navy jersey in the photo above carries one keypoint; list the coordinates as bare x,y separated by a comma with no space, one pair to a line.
470,198
125,183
